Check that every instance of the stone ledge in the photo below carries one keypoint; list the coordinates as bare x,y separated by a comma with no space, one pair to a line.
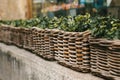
19,64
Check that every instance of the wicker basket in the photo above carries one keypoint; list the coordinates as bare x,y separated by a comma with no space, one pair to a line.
114,59
48,45
0,33
36,40
74,51
21,37
78,46
5,34
27,38
66,53
55,34
42,43
17,36
105,58
86,52
99,56
60,56
94,45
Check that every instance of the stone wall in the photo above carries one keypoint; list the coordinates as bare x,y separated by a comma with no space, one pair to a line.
19,64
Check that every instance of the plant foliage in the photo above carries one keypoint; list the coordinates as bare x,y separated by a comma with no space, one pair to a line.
100,27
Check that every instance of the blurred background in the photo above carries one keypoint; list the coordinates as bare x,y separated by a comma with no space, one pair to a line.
25,9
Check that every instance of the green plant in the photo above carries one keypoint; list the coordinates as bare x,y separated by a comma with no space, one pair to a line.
100,27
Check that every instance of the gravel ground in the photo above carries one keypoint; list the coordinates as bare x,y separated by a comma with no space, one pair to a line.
39,65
